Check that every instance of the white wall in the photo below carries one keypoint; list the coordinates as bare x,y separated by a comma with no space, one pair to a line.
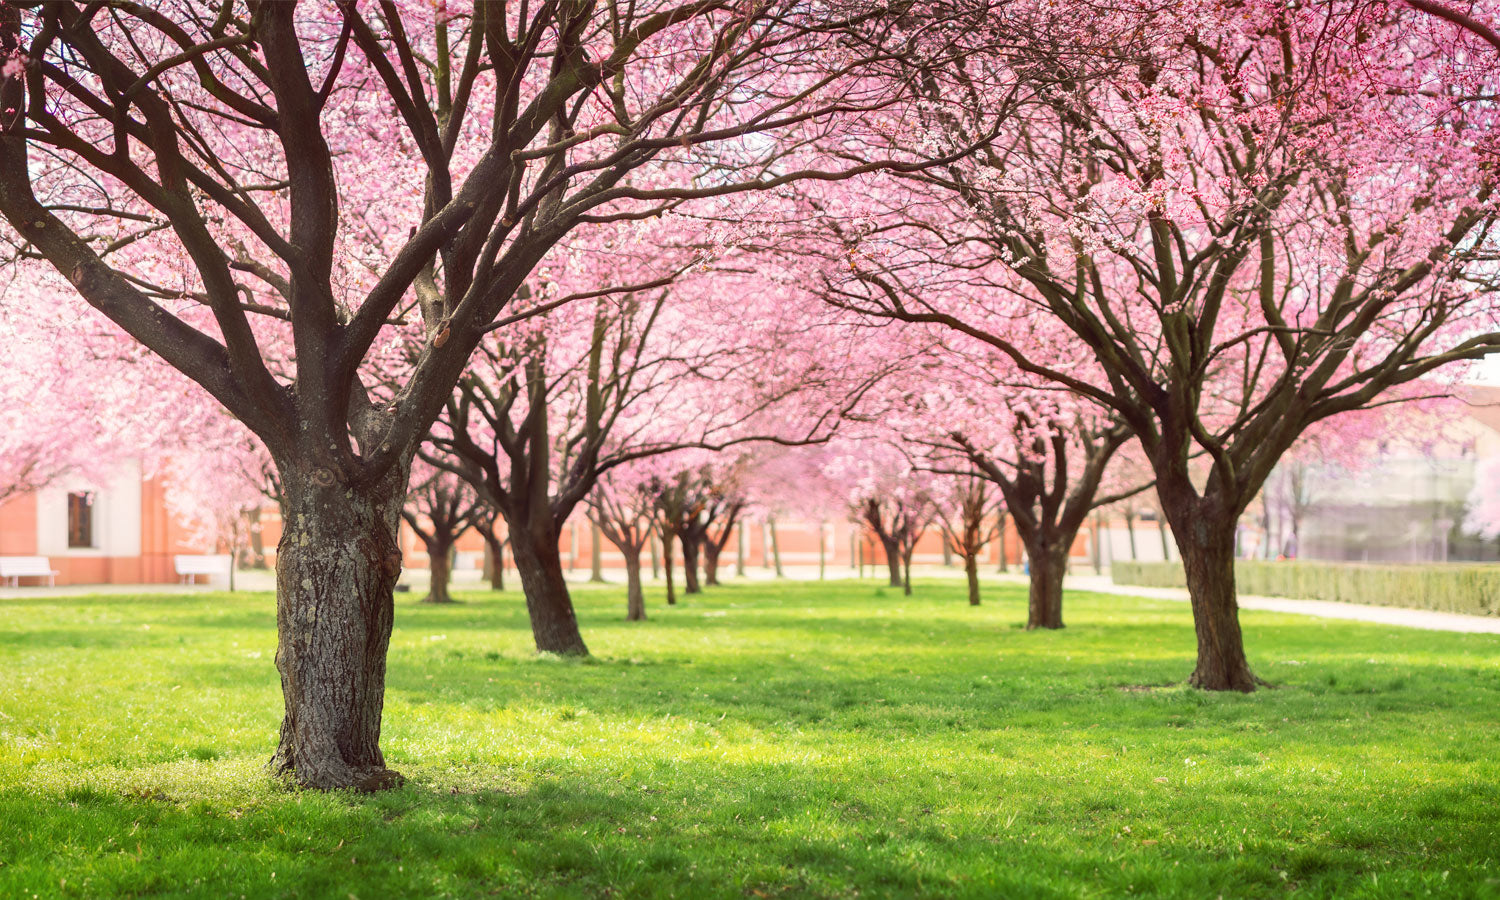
117,515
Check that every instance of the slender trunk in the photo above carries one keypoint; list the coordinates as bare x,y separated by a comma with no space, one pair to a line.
1004,563
775,548
690,547
1161,530
1098,544
947,555
337,566
822,553
1049,565
438,564
711,563
743,550
906,580
765,544
1130,530
494,560
971,571
257,540
553,624
655,560
666,560
893,559
596,555
1208,562
635,603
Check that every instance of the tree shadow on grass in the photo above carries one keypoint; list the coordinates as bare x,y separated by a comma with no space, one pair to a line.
697,827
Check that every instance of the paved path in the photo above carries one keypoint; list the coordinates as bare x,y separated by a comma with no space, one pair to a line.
1382,615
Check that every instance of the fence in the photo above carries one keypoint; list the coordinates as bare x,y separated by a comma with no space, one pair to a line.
1471,589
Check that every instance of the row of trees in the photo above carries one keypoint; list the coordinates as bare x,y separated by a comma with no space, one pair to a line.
539,247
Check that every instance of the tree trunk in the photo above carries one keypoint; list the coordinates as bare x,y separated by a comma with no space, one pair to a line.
893,559
438,564
971,571
666,560
494,560
690,546
1004,563
553,624
947,555
655,560
257,540
906,580
1161,531
1130,529
742,551
1208,561
1049,565
711,563
596,555
775,548
336,568
635,603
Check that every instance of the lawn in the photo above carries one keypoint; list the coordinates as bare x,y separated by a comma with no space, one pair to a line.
764,740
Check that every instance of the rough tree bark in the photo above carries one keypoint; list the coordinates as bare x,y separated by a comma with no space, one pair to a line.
1207,548
539,564
336,570
1049,566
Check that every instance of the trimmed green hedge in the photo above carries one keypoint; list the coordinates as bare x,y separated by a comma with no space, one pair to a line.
1455,587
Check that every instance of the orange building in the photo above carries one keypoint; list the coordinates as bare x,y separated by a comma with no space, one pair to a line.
122,532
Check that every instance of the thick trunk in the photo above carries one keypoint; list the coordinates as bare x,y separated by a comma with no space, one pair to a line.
494,561
1049,565
711,553
635,603
893,559
439,562
337,565
690,548
971,571
553,624
1208,561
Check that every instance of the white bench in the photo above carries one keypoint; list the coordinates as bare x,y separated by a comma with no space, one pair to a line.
14,568
189,567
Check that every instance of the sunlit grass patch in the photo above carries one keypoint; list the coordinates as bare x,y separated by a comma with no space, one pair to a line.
820,740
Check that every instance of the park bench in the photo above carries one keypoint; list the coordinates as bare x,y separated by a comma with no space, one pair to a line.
14,568
189,566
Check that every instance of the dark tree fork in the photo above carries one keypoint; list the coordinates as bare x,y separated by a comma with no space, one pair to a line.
342,449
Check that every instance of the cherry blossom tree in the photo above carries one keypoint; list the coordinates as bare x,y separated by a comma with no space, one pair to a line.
1272,216
968,514
260,192
440,506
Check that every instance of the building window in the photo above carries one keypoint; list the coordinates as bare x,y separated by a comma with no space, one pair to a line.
81,519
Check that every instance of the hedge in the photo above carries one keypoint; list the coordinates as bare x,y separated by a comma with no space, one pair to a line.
1461,588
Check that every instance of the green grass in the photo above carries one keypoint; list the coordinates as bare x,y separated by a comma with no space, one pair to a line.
796,740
